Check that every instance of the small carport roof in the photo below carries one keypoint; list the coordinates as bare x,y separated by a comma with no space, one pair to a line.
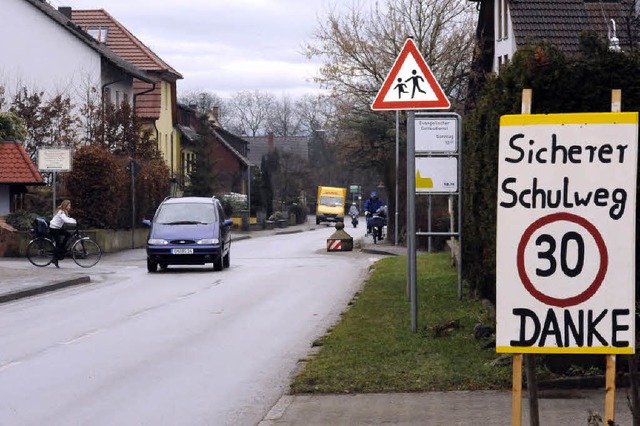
16,167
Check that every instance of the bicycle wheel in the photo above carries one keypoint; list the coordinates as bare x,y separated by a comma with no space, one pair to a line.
86,253
40,251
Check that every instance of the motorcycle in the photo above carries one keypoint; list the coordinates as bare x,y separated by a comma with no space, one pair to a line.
376,223
354,219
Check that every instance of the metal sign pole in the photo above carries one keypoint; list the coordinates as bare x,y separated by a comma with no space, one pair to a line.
397,168
133,204
459,230
53,186
411,219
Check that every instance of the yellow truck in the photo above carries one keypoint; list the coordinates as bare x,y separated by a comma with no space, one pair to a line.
330,205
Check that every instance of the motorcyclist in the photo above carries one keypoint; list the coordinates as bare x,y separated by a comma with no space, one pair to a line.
371,206
354,213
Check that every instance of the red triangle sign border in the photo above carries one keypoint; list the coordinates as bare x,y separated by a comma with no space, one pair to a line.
440,103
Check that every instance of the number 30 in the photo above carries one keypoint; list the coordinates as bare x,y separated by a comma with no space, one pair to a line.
548,255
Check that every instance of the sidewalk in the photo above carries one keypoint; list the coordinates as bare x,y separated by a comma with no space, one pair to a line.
557,407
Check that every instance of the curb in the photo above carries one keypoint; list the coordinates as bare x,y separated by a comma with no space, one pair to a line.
43,289
380,252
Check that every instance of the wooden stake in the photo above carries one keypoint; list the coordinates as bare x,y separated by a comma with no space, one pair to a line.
610,397
516,380
516,397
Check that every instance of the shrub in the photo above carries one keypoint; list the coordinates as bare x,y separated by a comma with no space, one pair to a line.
233,203
23,220
98,187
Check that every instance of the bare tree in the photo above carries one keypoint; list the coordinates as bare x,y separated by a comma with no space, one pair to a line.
205,102
359,46
2,98
283,119
316,112
51,122
251,111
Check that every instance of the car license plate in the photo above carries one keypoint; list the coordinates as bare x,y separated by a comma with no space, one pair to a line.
181,251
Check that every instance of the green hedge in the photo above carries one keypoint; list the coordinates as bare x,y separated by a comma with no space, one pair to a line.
560,85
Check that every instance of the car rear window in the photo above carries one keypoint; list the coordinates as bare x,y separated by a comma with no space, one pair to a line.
186,213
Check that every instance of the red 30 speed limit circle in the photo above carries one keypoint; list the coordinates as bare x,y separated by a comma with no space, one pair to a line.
591,289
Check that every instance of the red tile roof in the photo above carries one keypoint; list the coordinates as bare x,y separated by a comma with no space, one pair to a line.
132,50
122,42
16,166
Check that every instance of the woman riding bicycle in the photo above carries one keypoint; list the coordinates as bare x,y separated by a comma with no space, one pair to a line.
57,229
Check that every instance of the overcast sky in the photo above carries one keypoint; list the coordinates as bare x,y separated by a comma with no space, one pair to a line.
225,46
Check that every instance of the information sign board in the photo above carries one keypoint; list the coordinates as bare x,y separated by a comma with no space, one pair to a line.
436,135
436,174
566,218
54,159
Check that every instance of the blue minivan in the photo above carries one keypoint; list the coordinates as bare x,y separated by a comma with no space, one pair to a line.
189,231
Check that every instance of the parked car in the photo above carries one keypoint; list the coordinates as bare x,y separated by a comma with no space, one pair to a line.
189,231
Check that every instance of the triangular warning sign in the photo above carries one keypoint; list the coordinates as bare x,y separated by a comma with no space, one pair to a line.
410,84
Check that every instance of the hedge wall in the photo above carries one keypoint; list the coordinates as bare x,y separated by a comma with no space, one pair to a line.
560,85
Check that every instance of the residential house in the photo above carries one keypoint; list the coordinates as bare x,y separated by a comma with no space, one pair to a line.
294,158
155,103
44,51
17,171
506,25
229,152
259,146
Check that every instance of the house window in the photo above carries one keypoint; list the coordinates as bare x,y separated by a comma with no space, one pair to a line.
505,21
502,23
106,95
99,33
118,98
499,19
167,92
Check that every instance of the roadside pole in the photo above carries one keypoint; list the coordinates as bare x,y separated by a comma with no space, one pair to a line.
411,218
53,187
395,240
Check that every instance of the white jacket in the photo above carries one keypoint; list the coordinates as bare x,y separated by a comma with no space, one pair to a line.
60,219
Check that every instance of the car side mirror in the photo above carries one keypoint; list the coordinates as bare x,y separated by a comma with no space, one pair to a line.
146,222
227,222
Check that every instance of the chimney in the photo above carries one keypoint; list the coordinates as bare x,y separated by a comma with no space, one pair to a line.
215,112
270,142
65,10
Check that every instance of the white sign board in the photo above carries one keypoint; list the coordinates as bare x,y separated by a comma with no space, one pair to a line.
566,233
436,174
54,159
436,134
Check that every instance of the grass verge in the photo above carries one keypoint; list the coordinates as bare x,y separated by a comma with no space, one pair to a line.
373,348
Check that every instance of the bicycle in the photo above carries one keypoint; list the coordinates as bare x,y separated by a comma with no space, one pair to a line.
42,249
377,223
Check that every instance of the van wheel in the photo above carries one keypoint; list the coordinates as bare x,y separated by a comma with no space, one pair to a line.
151,266
217,264
317,221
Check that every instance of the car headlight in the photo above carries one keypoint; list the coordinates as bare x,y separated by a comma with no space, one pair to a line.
157,242
208,241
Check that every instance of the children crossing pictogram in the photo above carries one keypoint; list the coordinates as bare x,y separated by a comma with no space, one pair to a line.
415,86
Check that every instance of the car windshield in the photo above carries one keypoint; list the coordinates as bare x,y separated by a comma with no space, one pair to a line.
186,214
326,200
